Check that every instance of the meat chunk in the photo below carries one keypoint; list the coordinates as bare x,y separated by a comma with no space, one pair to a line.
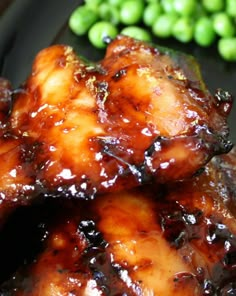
142,114
170,240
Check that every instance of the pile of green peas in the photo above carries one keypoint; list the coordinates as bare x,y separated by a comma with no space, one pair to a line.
204,22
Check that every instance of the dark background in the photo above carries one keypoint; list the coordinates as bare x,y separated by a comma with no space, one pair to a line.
27,26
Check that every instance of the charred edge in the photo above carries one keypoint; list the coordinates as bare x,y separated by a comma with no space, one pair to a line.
214,143
71,191
208,140
199,172
224,271
135,288
138,172
208,287
228,290
224,280
119,74
202,142
29,152
156,145
224,101
94,237
97,258
179,228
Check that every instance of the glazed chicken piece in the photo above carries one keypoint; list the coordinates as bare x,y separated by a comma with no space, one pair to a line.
77,129
168,240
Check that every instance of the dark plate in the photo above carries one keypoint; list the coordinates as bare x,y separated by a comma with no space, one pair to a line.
27,26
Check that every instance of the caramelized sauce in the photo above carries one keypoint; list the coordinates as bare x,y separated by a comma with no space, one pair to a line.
112,243
79,131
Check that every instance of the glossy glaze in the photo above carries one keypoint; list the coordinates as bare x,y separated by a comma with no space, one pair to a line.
142,114
167,240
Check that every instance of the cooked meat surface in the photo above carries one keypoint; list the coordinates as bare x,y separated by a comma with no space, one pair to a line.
168,240
75,128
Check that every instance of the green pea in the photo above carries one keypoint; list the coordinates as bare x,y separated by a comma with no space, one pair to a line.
109,13
227,48
200,11
168,6
93,4
183,30
204,33
151,12
231,8
131,12
137,33
116,3
81,19
213,5
185,7
162,27
223,24
101,30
